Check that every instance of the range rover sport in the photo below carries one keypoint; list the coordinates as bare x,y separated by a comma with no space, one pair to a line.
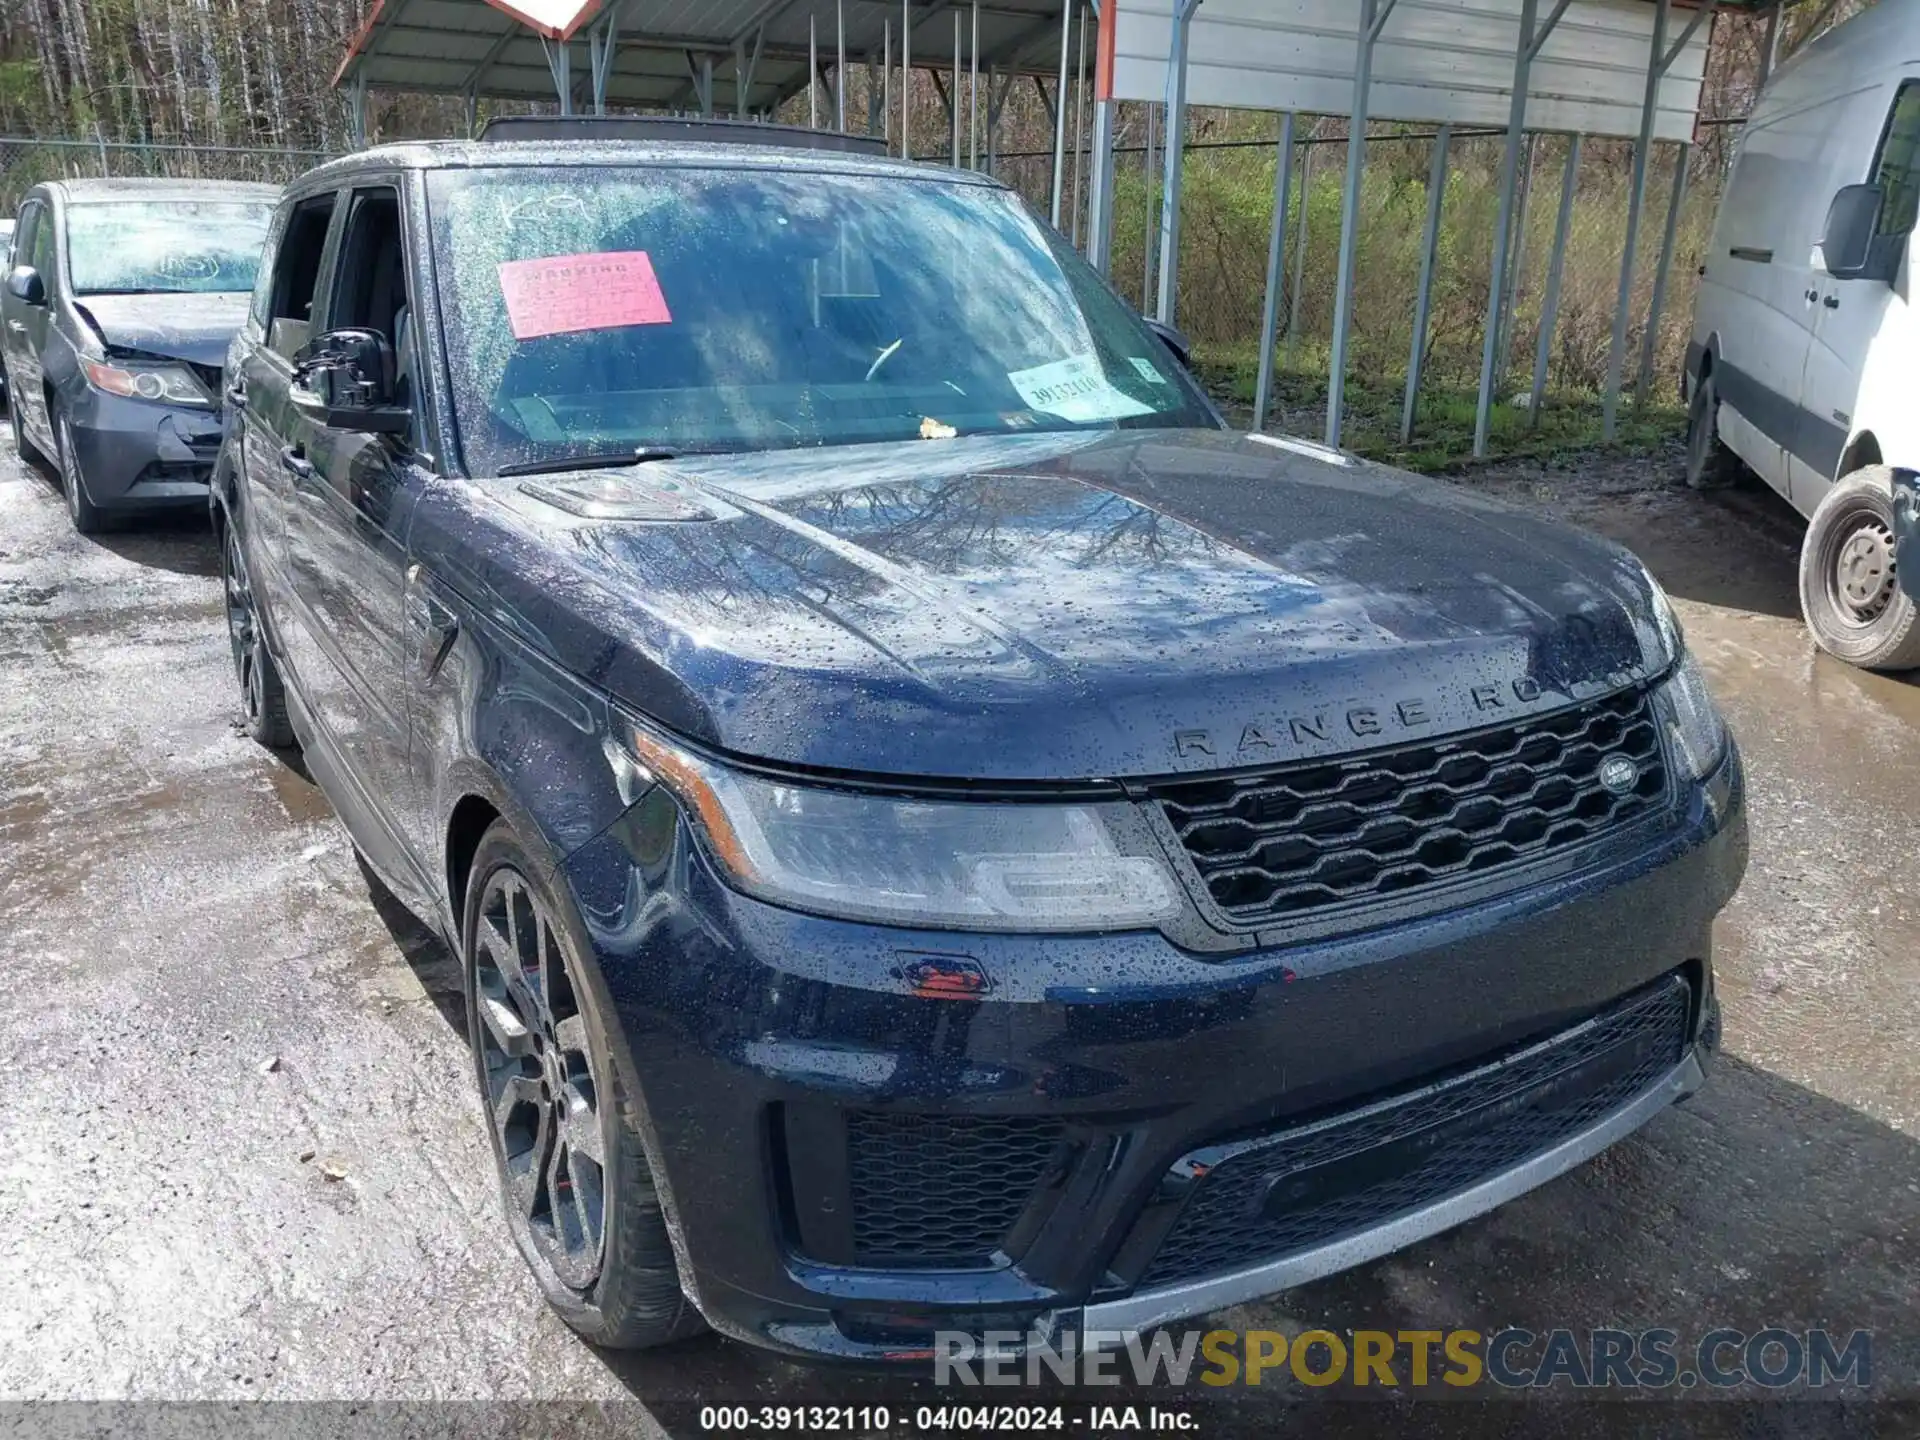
941,833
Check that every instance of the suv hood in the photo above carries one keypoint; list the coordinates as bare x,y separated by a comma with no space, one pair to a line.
1055,607
194,328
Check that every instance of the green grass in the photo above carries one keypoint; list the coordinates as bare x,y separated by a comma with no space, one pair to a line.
1443,425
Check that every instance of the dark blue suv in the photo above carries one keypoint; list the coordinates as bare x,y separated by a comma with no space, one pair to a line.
942,834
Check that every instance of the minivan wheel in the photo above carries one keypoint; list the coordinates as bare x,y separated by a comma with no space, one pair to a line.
88,518
1710,464
1849,590
561,1109
261,694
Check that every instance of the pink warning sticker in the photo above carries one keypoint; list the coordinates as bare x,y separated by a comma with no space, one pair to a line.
561,294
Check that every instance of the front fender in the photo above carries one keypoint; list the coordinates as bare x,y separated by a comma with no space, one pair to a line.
496,721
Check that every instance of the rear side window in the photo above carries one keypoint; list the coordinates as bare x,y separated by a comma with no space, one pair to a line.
1897,171
296,273
23,233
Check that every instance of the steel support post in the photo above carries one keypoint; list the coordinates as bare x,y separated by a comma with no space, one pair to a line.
1659,60
1100,196
1276,265
1650,339
840,66
1059,194
472,105
1429,254
886,83
1176,154
813,76
953,110
1149,231
973,93
706,86
1770,44
1524,51
1077,190
906,79
1556,268
1298,288
560,66
357,111
1373,16
1517,256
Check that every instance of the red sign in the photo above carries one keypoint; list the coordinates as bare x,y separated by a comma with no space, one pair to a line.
561,294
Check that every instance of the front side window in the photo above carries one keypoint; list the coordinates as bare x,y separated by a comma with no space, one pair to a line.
594,311
143,247
1897,171
40,256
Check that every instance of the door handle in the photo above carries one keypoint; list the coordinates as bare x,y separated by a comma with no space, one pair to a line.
1832,302
296,464
18,327
1812,295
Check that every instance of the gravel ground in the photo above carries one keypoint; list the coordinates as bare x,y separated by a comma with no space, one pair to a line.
240,1159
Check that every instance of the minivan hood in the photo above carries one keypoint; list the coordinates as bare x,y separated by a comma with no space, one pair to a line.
196,328
1060,607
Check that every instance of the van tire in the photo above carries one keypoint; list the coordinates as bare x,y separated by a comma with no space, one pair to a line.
1710,464
1849,591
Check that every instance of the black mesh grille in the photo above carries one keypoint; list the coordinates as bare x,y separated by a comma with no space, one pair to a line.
938,1190
1291,841
1411,1150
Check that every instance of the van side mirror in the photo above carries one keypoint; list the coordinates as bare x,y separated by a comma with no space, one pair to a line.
345,381
1849,245
24,284
1174,340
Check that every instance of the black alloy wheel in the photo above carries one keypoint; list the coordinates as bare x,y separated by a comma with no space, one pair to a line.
263,701
562,1113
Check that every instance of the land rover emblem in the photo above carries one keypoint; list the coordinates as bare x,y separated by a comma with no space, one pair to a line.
1618,774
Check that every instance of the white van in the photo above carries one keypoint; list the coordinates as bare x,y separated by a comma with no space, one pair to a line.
1805,359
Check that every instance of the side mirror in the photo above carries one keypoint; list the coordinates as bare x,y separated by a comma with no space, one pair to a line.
24,284
1848,246
1174,340
345,381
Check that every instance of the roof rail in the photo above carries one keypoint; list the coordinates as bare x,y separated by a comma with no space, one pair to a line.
676,128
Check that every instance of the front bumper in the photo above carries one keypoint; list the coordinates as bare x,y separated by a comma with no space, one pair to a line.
136,455
854,1155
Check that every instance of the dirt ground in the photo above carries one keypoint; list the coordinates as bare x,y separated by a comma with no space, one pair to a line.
240,1155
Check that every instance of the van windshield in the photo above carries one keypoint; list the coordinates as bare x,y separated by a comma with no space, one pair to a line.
162,246
596,311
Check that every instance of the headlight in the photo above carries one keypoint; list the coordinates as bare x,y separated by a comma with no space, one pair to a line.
1697,734
914,862
168,384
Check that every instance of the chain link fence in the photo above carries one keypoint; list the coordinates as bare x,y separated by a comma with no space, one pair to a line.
27,161
1227,211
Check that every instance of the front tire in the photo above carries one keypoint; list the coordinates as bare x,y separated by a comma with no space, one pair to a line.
561,1108
1710,464
88,518
1849,591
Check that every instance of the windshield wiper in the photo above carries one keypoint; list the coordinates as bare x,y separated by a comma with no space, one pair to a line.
597,460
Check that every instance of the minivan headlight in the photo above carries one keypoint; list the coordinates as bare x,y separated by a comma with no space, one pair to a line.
908,861
165,384
1696,734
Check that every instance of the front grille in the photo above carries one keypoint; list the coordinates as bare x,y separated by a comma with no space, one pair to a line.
211,376
1286,1193
1288,842
940,1191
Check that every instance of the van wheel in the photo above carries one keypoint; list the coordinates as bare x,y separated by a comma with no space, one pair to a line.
1849,590
1710,464
562,1109
88,518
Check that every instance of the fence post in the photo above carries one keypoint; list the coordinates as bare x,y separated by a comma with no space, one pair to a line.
1423,304
1276,257
1295,290
1556,266
1176,154
1373,17
1649,342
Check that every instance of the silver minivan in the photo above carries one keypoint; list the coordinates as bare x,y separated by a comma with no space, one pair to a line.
1805,356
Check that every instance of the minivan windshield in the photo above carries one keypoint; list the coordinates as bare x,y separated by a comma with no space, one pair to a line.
142,247
598,311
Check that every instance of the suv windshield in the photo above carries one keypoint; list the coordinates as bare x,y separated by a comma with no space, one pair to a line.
600,310
155,246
